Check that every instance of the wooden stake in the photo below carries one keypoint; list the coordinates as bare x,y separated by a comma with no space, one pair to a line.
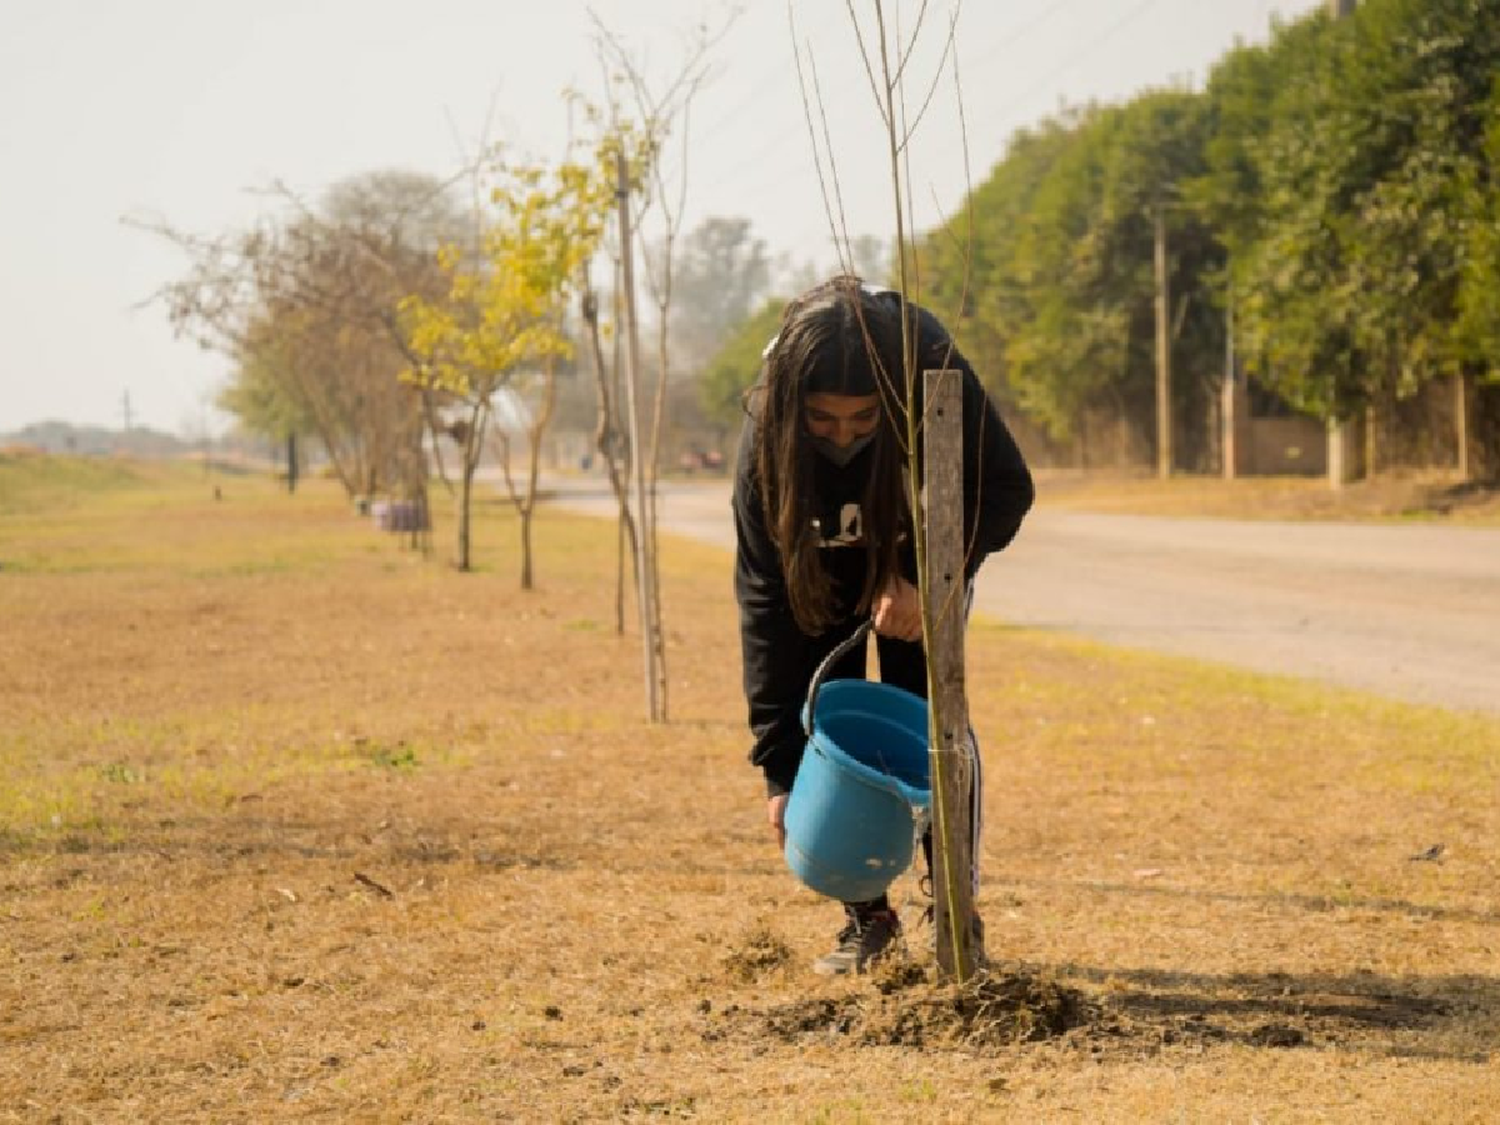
950,749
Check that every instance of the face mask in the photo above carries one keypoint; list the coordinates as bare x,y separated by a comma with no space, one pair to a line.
842,455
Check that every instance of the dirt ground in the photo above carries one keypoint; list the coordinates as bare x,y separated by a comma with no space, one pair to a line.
296,824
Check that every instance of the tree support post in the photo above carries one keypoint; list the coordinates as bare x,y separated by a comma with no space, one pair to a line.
950,747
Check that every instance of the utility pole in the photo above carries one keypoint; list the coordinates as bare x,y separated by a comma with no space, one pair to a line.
125,410
1234,405
1461,424
1343,464
1163,351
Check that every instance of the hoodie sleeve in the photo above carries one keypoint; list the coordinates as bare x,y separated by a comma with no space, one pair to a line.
778,656
998,490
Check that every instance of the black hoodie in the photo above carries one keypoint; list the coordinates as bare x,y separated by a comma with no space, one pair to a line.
779,659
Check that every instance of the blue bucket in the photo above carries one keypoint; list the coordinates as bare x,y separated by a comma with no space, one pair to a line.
850,817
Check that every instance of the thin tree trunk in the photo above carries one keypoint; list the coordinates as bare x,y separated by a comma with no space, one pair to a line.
526,569
424,522
533,471
437,448
653,466
461,552
647,538
473,446
625,526
621,435
606,440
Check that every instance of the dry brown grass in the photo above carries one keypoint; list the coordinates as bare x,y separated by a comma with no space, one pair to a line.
296,825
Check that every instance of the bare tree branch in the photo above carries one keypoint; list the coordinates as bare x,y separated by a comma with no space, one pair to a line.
864,55
949,47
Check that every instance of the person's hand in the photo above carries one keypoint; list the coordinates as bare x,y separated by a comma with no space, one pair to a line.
898,611
776,816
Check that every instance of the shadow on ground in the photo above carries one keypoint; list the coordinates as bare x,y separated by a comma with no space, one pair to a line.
1454,1018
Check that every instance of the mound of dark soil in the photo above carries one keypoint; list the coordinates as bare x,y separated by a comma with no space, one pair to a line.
907,1007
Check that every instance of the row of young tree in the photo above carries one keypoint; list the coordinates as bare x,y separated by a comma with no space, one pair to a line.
383,322
393,324
1329,213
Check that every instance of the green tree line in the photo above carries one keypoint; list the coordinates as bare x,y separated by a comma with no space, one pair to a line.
1329,206
1330,194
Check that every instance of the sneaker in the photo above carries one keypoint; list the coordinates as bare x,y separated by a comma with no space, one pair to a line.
863,941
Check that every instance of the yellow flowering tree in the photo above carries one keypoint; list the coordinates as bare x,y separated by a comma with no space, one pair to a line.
500,325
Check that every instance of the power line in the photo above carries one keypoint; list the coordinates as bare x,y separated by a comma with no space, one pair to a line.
1021,31
758,85
773,141
1068,63
761,156
755,91
1017,34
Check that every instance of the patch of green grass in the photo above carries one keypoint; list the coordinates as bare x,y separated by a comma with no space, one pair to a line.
247,568
845,1111
173,523
921,1091
400,757
32,482
122,773
71,777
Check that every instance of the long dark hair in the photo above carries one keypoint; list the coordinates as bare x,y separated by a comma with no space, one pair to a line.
837,338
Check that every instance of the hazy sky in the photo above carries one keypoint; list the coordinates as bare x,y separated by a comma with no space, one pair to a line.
186,110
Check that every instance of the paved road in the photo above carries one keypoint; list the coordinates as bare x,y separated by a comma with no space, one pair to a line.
1411,611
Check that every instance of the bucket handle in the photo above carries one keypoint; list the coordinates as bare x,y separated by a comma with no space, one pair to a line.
828,662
